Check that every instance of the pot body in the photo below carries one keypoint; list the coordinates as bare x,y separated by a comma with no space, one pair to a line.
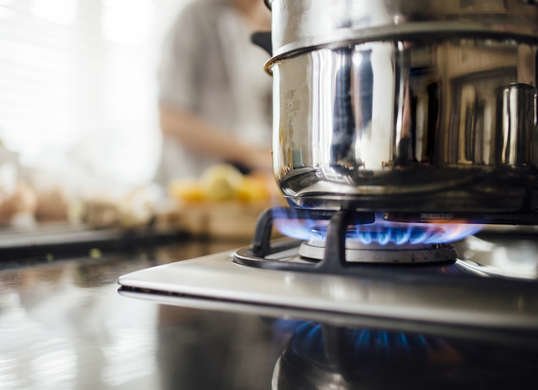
433,124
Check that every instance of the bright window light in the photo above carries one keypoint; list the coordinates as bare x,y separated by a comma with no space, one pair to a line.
127,21
56,11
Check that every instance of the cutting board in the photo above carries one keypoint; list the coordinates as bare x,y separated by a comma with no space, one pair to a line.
228,220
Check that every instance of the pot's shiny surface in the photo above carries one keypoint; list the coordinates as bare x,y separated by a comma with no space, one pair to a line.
298,24
422,125
406,105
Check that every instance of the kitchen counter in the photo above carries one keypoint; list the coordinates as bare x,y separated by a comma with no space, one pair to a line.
64,325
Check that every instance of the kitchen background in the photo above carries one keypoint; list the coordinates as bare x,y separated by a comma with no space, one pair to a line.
79,127
79,121
78,84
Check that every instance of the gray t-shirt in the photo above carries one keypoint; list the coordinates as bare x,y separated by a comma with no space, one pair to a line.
210,68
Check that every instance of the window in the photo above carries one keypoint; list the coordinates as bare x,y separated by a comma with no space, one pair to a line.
78,85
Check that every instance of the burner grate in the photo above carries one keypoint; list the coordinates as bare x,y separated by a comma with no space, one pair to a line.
334,257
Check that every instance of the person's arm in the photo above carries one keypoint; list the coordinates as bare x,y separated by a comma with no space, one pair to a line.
201,137
179,78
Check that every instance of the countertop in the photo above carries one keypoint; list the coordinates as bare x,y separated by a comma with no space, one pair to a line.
64,325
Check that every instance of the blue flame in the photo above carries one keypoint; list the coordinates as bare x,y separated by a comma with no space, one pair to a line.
382,339
308,338
362,339
404,342
381,232
282,325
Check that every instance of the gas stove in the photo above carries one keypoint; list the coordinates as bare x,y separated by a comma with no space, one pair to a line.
423,111
337,266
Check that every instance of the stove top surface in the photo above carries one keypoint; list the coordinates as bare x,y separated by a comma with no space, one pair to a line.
465,292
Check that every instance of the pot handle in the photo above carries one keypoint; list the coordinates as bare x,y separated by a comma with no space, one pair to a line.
263,39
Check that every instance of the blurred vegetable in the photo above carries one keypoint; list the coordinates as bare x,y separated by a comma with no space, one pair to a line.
100,213
254,190
52,205
135,209
221,182
187,191
20,201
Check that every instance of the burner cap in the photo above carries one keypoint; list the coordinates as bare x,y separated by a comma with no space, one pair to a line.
357,252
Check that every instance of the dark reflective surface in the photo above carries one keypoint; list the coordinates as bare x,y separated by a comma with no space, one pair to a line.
326,357
63,325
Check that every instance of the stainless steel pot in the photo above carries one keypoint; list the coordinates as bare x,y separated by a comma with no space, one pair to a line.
406,106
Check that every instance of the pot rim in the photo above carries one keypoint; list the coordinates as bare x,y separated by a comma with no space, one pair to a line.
412,31
296,27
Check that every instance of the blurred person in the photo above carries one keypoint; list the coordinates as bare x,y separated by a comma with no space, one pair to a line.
214,98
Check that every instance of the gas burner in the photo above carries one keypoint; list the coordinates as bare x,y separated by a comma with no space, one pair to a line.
334,288
358,252
339,242
377,231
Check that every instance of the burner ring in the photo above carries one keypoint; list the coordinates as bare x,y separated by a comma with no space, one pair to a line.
357,252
